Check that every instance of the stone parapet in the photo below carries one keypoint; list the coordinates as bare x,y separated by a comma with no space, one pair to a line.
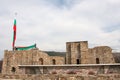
83,69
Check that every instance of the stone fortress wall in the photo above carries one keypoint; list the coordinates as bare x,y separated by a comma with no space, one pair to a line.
79,53
79,60
30,57
83,69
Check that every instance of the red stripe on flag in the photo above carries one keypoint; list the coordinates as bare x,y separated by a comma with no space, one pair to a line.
14,33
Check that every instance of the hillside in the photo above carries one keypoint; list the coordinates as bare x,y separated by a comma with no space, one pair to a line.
53,53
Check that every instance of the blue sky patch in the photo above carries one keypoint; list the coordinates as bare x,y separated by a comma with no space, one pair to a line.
112,28
61,3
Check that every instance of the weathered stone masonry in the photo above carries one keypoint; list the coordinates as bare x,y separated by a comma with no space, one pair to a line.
83,69
30,57
77,53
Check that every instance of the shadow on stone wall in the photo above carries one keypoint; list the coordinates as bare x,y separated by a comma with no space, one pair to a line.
1,61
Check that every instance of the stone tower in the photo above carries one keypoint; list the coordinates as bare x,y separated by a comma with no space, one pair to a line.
79,53
76,52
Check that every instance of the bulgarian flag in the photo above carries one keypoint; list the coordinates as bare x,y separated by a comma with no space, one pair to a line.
26,47
14,34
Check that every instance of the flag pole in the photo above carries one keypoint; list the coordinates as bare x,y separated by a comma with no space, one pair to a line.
14,32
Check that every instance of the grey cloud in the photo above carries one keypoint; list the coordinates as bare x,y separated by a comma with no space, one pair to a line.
50,26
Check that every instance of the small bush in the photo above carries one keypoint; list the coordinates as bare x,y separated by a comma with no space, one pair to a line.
71,72
54,72
91,73
109,72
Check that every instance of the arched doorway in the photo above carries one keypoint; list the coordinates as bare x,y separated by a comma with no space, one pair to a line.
41,61
54,61
78,61
97,61
13,69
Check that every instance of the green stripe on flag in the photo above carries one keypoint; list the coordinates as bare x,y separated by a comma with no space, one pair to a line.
26,48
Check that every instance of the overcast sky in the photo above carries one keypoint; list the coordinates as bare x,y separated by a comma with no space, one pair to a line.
52,23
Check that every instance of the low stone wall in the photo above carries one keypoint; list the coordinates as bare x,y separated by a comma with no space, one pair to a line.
83,69
66,72
60,77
